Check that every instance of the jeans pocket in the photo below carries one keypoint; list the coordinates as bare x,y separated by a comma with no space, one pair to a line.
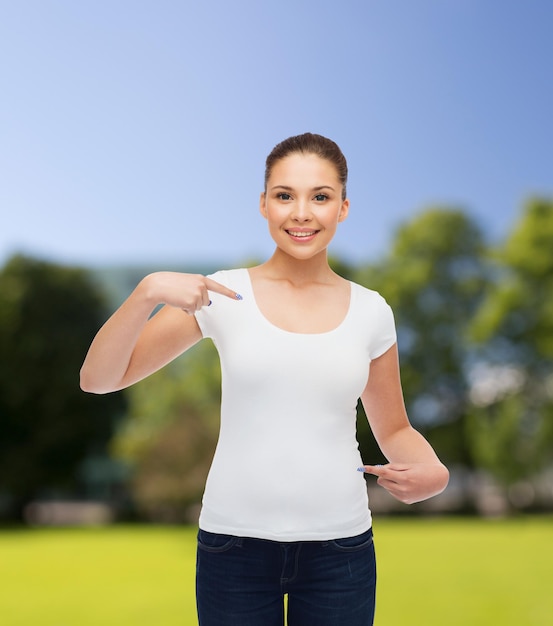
215,542
352,544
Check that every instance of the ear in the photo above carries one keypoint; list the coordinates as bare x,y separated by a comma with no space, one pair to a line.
263,205
344,210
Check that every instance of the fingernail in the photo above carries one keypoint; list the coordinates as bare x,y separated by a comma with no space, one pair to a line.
360,469
239,297
210,303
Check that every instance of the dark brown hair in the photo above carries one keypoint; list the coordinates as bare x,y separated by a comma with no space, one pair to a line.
310,143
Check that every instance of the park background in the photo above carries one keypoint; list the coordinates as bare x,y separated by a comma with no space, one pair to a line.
133,139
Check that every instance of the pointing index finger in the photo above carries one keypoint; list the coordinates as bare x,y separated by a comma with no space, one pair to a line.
213,285
376,470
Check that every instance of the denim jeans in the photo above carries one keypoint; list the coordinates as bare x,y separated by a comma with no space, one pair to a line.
242,581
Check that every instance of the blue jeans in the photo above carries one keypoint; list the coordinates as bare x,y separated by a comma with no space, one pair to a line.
242,581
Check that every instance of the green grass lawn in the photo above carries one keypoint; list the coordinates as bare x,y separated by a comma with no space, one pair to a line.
431,572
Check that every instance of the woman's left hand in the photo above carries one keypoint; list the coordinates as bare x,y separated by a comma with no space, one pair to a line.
410,482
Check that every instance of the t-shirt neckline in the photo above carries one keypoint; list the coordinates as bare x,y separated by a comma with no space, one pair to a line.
291,332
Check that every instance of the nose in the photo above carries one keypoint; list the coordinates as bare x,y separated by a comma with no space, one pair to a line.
302,211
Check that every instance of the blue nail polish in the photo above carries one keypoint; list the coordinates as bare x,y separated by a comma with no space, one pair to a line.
239,297
360,469
210,303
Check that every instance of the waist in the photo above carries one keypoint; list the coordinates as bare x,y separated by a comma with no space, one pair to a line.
271,504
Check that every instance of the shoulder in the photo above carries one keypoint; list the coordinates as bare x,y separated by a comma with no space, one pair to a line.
375,318
224,311
369,297
236,279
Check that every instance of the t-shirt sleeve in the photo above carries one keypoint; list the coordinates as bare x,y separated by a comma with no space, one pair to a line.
384,335
206,316
203,322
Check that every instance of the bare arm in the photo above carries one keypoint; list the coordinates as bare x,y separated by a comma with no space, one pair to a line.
415,472
131,345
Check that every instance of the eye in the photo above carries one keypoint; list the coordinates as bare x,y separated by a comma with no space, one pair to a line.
284,196
321,197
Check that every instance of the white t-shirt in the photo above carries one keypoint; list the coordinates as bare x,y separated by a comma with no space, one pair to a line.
285,467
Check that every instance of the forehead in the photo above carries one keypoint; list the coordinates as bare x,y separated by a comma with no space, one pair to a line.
303,169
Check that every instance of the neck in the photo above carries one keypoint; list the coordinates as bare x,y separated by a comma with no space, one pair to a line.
284,267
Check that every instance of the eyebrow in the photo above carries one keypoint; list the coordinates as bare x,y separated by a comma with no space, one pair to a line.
287,188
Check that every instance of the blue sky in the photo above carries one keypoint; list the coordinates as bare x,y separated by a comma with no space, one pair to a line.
136,131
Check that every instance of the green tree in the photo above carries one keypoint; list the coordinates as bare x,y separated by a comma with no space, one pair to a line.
434,278
511,421
48,315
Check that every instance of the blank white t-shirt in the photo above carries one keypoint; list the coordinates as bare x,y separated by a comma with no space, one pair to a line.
285,467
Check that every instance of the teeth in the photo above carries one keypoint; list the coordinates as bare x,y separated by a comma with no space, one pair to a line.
302,234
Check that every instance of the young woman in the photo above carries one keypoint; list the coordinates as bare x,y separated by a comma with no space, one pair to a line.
285,509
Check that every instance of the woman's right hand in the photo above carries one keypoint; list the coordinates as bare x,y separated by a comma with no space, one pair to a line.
133,344
188,292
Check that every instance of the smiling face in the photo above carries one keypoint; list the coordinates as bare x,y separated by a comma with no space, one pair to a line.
303,204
